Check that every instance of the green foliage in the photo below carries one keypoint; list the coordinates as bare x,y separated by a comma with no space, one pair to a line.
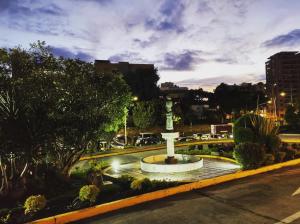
111,189
141,184
242,134
124,181
143,114
89,193
161,184
254,128
239,97
291,117
34,204
269,159
249,155
56,106
290,153
279,156
143,83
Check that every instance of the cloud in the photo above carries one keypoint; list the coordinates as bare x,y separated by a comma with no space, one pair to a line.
209,84
146,43
290,39
63,52
227,60
101,2
169,17
182,61
50,9
132,57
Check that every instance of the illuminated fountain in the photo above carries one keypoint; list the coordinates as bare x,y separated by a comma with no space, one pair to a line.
170,162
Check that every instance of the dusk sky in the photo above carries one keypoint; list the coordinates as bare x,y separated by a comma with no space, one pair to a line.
194,43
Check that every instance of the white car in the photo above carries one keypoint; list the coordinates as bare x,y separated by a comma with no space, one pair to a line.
205,137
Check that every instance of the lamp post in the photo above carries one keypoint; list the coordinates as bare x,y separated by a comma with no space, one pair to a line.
282,94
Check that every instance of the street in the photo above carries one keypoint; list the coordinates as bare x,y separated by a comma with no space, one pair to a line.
266,198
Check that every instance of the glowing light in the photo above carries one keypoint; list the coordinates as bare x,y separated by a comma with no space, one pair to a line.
135,98
270,101
282,94
115,165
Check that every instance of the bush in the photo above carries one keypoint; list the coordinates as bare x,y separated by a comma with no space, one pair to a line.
89,193
279,156
124,181
272,143
34,204
110,189
161,184
141,185
192,147
290,153
269,159
249,155
242,134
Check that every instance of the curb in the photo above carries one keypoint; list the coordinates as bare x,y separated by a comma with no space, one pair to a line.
218,157
127,151
115,205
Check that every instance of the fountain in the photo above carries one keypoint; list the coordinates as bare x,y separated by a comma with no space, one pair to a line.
170,162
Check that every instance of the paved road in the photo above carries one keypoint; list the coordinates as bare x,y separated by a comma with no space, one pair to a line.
265,198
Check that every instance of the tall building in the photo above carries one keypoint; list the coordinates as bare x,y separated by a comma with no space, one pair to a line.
282,81
105,66
141,78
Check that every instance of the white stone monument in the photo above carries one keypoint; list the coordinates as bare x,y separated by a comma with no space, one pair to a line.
170,135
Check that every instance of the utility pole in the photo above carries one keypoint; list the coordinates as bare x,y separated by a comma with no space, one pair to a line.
125,126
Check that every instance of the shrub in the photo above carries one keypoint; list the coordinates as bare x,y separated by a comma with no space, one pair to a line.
124,181
192,147
272,143
111,189
161,184
141,184
279,156
269,159
242,134
249,155
34,204
89,193
254,128
228,154
290,153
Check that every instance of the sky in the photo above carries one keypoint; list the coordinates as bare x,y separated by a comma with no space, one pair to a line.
193,43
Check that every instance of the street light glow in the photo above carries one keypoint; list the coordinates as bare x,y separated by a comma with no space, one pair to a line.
282,94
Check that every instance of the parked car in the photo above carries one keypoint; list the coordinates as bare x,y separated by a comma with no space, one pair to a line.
197,136
117,145
147,139
185,139
121,139
205,137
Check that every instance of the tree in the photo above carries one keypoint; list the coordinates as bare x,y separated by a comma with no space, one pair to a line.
243,97
58,106
143,114
143,83
291,117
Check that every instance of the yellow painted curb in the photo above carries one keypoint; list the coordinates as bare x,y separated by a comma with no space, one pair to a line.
115,205
128,151
217,157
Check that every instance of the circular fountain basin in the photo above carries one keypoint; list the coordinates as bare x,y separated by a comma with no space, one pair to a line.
156,164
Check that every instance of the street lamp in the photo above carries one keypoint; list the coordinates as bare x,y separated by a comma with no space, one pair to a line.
282,94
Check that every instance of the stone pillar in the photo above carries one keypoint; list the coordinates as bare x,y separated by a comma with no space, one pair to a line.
170,146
